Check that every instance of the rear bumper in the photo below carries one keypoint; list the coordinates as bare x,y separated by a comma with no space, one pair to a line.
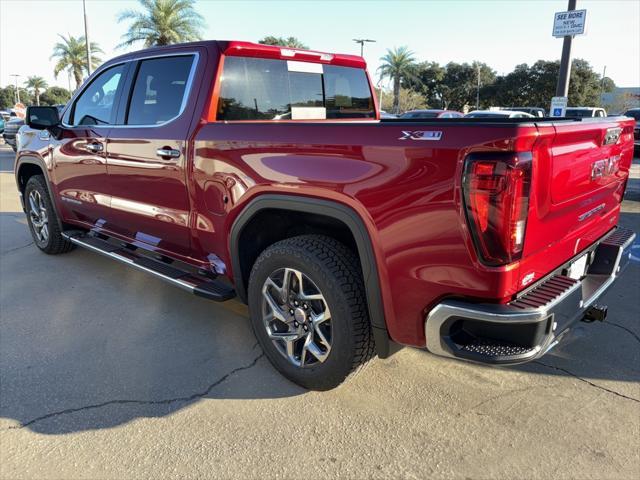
529,326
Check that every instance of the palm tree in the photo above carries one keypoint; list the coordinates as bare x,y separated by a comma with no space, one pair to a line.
71,54
162,22
397,64
291,42
37,84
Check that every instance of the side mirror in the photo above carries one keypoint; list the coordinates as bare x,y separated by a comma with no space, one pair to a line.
42,118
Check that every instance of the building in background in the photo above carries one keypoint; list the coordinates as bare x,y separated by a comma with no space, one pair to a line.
621,99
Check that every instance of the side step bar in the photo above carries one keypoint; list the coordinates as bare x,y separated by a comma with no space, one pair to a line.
193,283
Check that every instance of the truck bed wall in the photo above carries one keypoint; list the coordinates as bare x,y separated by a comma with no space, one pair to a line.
407,192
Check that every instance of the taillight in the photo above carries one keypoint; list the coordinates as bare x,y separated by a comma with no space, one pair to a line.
496,197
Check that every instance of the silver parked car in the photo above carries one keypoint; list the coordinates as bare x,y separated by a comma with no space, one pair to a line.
498,114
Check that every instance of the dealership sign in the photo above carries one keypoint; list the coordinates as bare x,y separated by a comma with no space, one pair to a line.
569,23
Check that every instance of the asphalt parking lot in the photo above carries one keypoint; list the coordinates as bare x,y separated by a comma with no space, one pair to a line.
109,373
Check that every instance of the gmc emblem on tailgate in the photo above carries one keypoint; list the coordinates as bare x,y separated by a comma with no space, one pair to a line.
605,167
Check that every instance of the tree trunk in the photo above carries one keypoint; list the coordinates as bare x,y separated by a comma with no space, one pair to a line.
396,94
37,93
77,75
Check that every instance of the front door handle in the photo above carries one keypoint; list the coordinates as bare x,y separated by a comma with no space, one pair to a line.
94,147
168,153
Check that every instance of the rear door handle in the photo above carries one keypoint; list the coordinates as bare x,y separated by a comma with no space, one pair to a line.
94,147
168,153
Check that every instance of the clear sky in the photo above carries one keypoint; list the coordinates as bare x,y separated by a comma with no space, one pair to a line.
501,33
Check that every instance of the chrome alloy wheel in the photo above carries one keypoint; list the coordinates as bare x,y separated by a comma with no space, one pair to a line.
38,216
296,317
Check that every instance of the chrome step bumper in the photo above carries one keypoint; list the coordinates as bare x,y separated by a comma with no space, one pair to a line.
529,326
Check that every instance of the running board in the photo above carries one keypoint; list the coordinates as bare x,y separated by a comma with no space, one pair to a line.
193,283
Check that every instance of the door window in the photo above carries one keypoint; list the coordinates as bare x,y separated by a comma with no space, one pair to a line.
95,106
159,90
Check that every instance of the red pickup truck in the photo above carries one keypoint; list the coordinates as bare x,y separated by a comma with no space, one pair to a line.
230,168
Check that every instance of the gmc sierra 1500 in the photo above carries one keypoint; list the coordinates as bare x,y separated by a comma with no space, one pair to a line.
232,168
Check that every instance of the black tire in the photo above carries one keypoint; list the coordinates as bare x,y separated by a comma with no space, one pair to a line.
336,272
55,243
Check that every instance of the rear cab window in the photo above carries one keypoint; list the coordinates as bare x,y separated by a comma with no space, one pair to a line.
273,89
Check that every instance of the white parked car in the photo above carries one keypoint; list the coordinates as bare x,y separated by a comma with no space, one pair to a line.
498,114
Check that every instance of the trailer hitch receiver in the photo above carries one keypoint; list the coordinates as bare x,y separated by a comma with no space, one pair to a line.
595,313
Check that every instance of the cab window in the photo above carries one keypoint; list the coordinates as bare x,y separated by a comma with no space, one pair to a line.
266,89
159,90
96,105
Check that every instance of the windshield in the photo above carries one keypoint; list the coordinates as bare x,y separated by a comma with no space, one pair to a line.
579,112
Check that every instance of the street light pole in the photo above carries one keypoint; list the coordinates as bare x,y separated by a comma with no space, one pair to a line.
478,90
15,75
379,85
362,41
562,89
604,72
86,38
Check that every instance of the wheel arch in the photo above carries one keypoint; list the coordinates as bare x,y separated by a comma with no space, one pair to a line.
337,212
26,167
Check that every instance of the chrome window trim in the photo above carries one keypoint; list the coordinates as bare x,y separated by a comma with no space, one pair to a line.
185,97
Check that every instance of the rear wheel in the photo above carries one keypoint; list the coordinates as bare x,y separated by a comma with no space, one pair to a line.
42,219
308,310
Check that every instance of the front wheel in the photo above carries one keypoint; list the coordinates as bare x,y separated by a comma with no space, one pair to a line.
308,310
42,219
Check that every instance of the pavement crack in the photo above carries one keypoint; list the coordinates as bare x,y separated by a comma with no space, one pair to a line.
17,248
628,330
594,385
166,401
507,393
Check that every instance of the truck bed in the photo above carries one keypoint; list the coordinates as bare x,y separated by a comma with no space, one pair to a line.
409,195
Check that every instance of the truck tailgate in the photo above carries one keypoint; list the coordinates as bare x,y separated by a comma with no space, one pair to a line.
580,173
581,161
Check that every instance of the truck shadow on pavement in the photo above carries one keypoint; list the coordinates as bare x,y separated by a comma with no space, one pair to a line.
86,343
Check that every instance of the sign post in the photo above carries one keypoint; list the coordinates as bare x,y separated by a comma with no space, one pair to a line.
566,25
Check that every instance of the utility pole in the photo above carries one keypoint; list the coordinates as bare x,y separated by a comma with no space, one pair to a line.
562,89
86,37
478,90
362,41
604,72
379,85
17,96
